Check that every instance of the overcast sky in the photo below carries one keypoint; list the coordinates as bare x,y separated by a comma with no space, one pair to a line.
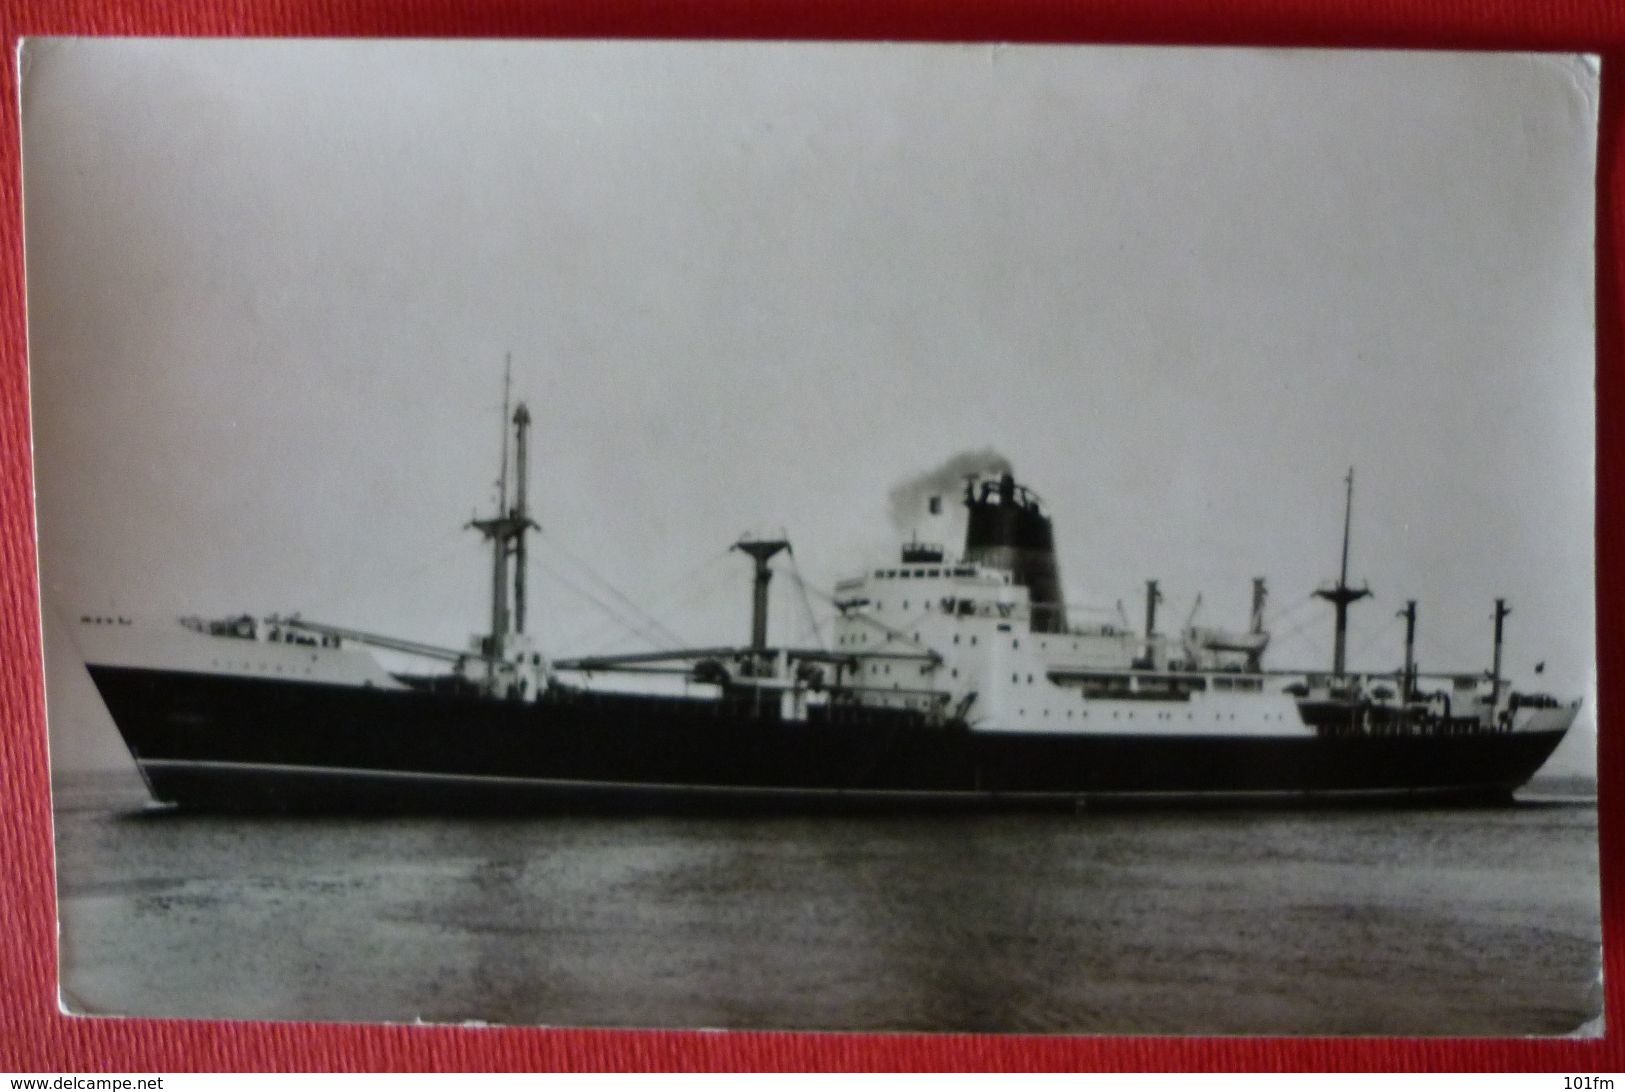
754,286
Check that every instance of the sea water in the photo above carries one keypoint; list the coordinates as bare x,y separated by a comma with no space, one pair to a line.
1450,922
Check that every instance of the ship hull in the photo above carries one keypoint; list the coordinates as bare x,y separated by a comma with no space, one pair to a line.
221,742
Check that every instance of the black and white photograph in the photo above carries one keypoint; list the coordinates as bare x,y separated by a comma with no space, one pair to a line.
818,536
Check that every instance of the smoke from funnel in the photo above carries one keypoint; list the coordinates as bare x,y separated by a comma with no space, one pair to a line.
909,500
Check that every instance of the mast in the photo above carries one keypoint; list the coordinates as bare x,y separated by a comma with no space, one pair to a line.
499,545
1152,598
1255,658
505,530
1501,612
1341,595
1408,684
760,551
521,426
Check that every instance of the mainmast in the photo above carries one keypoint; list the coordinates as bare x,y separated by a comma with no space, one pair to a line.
1341,595
506,531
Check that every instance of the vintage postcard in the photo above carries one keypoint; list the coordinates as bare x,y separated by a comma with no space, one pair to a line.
818,536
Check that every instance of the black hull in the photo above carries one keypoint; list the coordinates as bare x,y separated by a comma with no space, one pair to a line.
218,742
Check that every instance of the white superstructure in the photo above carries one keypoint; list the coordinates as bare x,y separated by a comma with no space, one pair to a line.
956,638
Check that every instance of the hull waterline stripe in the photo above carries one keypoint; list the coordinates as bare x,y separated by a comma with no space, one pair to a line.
500,781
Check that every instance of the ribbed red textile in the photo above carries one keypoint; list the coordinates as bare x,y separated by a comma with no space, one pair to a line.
35,1037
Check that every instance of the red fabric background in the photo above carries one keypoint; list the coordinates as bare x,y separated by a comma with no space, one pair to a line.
35,1037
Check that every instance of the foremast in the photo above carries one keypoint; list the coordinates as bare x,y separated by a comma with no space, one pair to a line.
506,644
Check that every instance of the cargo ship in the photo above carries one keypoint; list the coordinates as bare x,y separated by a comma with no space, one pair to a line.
953,679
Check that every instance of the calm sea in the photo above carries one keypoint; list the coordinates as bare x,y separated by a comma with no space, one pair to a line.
1477,922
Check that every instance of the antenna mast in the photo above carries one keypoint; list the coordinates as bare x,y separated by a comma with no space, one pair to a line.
502,476
1341,595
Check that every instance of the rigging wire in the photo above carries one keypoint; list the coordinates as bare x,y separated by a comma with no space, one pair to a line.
806,601
626,626
1364,638
819,627
1279,615
631,625
602,639
649,620
1298,630
894,634
664,597
1372,636
672,597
